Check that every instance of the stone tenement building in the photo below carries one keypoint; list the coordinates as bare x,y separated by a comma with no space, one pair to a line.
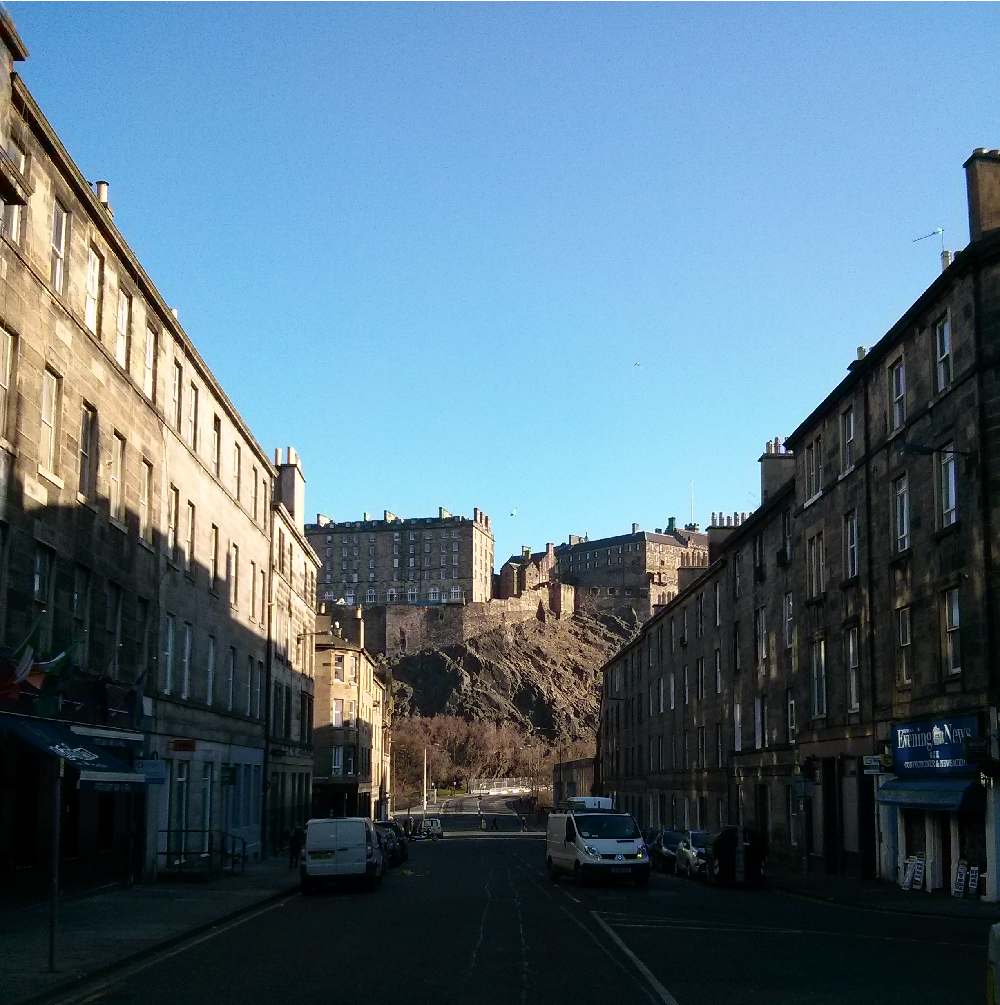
352,751
831,677
636,570
137,516
418,560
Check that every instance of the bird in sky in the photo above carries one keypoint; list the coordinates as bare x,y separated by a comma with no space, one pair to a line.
513,512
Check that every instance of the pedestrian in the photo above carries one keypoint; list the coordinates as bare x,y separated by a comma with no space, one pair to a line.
482,822
524,824
295,842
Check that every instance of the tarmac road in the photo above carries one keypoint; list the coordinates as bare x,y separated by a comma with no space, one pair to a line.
477,920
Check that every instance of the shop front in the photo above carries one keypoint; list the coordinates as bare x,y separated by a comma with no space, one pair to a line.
75,787
932,808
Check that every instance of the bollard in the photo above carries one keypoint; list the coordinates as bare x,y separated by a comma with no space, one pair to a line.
993,967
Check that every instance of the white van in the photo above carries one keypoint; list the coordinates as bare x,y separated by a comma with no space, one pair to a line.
341,848
587,838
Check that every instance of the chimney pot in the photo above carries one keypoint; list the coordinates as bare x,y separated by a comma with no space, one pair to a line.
102,192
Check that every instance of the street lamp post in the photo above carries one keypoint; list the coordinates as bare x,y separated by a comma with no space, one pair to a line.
425,780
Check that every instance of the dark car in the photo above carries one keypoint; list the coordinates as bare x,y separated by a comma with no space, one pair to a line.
400,833
663,850
738,855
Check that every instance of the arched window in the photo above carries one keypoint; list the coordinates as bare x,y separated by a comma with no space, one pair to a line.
370,597
390,596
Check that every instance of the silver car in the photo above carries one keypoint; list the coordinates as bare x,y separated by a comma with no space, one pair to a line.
692,853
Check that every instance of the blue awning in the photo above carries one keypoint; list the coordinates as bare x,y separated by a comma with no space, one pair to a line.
928,793
57,739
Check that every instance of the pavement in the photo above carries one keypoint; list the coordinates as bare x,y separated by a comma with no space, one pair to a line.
106,929
479,920
876,895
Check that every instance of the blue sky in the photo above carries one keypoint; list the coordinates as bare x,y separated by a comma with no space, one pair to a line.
426,245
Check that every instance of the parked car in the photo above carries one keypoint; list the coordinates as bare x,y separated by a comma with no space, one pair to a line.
390,844
338,849
404,844
692,853
738,855
663,849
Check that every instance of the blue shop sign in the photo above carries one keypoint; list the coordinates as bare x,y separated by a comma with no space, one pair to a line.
933,746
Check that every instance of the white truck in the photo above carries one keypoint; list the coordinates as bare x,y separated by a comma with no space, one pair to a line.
588,838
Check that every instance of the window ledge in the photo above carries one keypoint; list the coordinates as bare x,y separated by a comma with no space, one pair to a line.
118,524
901,557
849,470
943,532
147,545
51,477
6,445
846,584
816,601
816,495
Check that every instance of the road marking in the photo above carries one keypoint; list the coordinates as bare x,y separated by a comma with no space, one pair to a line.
130,970
665,996
482,926
524,943
698,925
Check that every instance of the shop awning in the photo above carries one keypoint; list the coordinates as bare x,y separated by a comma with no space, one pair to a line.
56,739
928,793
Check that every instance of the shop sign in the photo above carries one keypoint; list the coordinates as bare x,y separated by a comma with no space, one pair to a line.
153,768
933,746
873,764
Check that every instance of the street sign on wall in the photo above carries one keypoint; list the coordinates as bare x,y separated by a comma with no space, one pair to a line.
933,746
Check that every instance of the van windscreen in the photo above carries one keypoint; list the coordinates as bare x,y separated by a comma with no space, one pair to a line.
606,826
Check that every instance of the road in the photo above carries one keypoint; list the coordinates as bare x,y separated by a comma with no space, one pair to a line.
477,920
466,813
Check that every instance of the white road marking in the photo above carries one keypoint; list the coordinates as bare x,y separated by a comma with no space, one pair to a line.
698,925
482,925
664,995
524,943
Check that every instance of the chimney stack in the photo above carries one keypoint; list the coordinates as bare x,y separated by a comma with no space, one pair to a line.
946,260
291,486
635,528
982,182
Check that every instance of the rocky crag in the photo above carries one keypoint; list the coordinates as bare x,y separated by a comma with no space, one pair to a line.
539,677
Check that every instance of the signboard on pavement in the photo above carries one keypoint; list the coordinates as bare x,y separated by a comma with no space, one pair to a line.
958,887
873,764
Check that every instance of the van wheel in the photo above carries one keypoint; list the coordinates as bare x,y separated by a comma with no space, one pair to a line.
551,869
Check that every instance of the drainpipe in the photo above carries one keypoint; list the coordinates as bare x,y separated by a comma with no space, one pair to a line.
992,796
870,615
266,785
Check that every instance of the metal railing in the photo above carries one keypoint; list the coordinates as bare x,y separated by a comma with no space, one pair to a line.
201,853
